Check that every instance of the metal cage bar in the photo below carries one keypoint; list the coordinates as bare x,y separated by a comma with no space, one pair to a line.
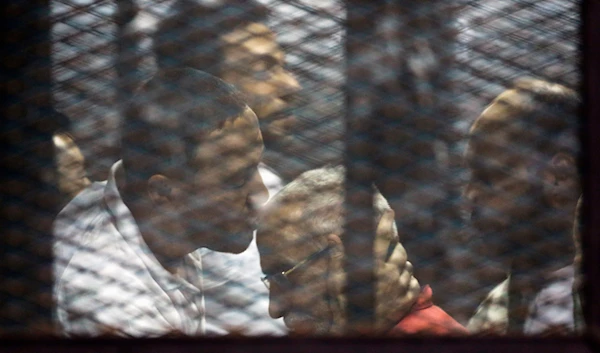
28,194
360,165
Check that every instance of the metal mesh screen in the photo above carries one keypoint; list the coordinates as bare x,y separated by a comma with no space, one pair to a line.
422,100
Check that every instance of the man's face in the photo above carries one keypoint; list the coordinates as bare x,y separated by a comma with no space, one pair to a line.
217,206
309,300
499,192
513,182
522,195
500,170
254,63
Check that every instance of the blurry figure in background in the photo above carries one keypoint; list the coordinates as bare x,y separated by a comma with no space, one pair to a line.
70,167
230,40
188,179
69,164
522,154
302,255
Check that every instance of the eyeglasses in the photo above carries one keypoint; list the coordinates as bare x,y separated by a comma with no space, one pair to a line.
281,279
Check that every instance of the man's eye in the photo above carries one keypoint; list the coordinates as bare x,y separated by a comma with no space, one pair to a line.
238,180
236,183
262,75
259,66
264,65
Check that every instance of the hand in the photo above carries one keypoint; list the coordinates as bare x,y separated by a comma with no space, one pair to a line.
397,289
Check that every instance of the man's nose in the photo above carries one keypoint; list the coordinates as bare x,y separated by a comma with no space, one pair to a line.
287,82
258,194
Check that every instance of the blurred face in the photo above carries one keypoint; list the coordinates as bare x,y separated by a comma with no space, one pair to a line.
217,206
254,63
70,166
516,191
501,171
309,297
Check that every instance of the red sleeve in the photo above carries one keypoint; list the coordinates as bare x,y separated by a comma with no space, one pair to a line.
428,319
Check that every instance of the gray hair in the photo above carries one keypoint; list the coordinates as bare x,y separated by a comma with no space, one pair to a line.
321,192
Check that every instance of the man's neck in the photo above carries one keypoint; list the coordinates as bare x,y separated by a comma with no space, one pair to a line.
154,238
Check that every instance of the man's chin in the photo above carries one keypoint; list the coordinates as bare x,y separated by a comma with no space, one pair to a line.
233,243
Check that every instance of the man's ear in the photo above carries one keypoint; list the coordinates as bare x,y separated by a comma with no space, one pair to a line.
384,234
160,189
562,161
563,168
561,181
338,247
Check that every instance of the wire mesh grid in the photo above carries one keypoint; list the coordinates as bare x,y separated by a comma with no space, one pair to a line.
432,70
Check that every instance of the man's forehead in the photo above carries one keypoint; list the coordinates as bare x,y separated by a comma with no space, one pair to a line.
514,98
491,131
278,222
251,30
504,113
490,143
282,234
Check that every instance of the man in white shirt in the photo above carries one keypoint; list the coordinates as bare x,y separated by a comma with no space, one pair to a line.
230,39
188,179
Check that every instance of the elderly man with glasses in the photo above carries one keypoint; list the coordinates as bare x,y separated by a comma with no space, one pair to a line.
301,254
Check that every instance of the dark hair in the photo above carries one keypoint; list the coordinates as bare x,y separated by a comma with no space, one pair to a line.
168,117
190,36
